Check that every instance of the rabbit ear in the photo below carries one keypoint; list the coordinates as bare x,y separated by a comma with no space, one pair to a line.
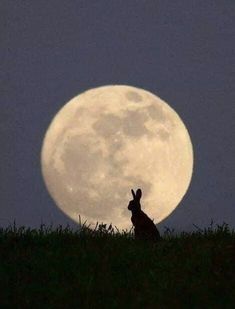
133,193
138,194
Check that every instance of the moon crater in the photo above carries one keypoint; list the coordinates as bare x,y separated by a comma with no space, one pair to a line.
133,96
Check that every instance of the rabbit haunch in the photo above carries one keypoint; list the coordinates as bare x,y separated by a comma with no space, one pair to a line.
144,228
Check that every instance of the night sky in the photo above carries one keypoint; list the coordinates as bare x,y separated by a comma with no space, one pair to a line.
183,51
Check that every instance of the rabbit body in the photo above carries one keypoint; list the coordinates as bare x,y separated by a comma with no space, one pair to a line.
144,228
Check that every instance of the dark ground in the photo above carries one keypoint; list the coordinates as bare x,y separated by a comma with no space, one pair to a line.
59,268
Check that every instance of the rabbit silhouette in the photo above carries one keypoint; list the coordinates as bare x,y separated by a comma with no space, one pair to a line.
144,228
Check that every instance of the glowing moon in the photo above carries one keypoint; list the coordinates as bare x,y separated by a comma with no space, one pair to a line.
108,140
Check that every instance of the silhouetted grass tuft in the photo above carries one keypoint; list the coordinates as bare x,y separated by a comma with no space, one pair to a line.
106,268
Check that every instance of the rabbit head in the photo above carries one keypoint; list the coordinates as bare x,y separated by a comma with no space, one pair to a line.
134,205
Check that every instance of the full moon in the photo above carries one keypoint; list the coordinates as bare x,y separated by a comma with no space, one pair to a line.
109,140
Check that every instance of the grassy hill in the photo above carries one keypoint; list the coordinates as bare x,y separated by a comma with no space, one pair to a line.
60,268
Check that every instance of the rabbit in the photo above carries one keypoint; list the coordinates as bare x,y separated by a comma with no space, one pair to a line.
144,228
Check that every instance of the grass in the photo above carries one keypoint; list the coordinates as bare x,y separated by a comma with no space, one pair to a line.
105,268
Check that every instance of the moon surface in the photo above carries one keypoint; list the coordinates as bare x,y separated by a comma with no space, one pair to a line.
108,140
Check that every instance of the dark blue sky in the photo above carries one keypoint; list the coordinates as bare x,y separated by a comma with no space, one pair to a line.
183,51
